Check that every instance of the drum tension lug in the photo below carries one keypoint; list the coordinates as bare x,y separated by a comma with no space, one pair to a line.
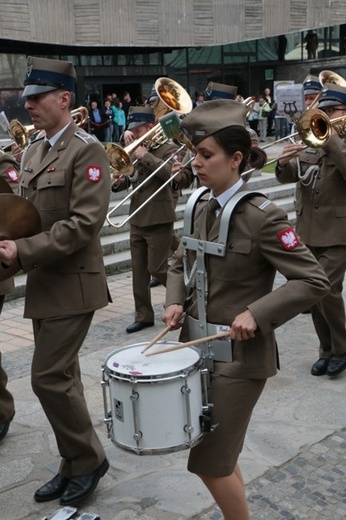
205,420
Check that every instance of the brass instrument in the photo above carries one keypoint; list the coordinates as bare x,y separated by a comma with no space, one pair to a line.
80,115
172,97
21,134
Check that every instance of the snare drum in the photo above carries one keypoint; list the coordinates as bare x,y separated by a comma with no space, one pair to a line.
156,401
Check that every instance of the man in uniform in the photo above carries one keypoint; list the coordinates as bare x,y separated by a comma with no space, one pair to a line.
151,228
8,172
321,210
65,175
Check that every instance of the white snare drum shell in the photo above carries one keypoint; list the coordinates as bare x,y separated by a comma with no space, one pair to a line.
156,401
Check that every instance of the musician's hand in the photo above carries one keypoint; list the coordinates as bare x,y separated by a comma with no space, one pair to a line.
8,252
118,178
16,152
294,149
243,326
128,137
140,152
172,316
175,168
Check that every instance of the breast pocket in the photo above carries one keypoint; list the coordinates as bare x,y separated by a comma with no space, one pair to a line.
233,265
52,191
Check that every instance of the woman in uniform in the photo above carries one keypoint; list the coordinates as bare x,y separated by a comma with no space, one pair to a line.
237,290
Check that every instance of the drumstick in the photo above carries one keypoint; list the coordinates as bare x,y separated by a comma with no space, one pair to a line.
192,343
159,336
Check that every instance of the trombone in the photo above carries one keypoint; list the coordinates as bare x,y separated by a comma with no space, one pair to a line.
172,97
314,128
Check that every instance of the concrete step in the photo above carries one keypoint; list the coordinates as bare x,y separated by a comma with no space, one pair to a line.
116,241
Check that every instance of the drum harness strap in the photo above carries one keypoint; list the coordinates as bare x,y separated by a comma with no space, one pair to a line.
196,277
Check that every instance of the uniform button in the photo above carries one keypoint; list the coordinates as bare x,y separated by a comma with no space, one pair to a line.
82,267
231,246
316,206
275,323
35,266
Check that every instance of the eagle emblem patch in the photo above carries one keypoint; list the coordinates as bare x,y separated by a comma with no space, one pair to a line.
93,173
288,239
12,174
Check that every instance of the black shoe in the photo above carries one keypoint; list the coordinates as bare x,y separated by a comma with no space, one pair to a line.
320,367
139,325
337,364
83,486
4,426
154,283
52,490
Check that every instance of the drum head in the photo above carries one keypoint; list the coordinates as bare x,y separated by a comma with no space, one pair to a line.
128,362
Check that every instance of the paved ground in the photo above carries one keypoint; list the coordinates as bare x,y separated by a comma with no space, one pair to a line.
293,462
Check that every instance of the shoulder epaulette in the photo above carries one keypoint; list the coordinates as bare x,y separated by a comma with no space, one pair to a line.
259,203
85,137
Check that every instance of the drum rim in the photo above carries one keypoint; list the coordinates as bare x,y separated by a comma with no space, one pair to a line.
147,378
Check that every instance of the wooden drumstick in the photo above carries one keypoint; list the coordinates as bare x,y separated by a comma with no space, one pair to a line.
159,336
192,343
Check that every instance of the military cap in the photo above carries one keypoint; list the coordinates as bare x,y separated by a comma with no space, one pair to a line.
153,96
139,116
219,91
208,118
45,75
311,85
332,95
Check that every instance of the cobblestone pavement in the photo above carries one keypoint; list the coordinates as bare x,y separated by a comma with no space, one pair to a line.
293,460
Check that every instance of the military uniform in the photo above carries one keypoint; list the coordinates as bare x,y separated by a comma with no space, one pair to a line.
66,281
65,175
259,242
321,218
8,172
151,228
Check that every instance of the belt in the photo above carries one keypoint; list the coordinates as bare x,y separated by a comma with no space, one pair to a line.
219,349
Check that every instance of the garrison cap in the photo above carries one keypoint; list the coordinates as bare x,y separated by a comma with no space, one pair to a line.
332,95
139,116
219,91
311,85
45,75
208,118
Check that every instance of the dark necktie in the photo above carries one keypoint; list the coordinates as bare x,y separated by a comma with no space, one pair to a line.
46,146
213,205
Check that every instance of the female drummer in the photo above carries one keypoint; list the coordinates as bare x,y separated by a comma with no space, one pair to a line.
237,291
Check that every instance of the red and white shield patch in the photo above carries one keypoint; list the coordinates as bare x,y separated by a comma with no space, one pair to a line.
93,173
288,239
12,174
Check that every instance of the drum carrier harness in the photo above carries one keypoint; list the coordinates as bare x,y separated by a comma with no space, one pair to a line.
196,277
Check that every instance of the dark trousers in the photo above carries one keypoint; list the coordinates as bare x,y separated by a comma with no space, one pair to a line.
328,314
6,399
56,380
150,246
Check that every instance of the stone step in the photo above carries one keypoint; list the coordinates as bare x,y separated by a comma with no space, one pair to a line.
116,241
